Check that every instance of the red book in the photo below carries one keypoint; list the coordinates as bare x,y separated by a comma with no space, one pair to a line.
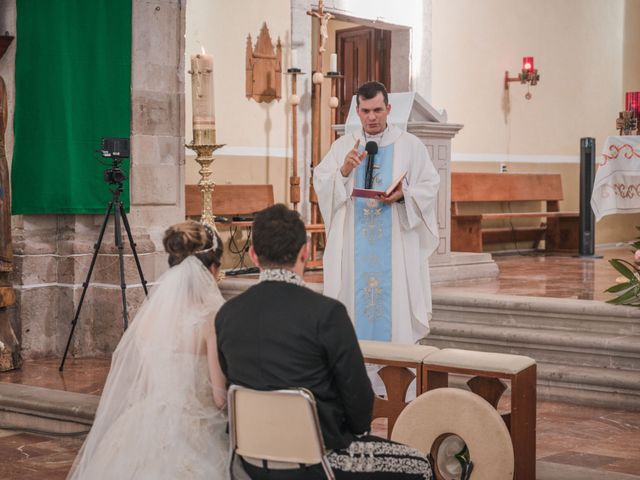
371,193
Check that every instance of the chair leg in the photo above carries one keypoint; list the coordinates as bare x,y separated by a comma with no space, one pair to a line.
327,469
231,458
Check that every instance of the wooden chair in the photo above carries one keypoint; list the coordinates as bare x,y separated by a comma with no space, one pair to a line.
278,426
487,369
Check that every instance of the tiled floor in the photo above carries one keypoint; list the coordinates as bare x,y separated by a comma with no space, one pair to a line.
605,440
540,275
26,456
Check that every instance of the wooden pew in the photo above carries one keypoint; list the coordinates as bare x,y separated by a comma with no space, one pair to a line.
560,230
230,200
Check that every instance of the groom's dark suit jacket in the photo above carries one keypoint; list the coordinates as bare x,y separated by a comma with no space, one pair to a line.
280,335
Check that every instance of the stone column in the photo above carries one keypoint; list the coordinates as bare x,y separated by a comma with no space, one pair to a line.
9,346
53,252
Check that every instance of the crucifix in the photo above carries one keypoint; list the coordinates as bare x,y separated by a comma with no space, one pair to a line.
316,96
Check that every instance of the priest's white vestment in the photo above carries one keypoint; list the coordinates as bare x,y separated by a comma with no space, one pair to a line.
414,230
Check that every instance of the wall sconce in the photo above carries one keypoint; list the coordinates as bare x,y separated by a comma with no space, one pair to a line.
529,75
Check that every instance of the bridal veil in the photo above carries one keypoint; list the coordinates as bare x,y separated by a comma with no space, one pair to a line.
157,418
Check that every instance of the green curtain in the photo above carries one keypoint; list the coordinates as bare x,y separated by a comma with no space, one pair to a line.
73,87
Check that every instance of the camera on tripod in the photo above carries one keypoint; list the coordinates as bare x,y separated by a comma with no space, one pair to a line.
116,149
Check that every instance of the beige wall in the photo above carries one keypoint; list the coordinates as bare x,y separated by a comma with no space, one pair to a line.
586,53
256,134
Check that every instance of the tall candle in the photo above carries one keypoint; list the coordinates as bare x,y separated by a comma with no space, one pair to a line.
333,63
204,122
294,59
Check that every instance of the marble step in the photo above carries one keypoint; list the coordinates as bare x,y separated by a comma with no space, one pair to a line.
572,348
587,352
42,410
561,314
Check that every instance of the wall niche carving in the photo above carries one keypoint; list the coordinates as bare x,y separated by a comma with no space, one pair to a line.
264,68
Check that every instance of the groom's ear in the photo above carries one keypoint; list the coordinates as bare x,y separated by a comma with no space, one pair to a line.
254,256
303,253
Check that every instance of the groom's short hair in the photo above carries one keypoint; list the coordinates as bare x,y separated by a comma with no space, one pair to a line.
278,234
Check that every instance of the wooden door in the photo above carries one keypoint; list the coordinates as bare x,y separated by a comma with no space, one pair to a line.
365,55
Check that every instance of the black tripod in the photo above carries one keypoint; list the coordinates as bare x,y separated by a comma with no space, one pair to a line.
113,176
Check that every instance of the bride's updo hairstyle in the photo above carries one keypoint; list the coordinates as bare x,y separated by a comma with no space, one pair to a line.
192,238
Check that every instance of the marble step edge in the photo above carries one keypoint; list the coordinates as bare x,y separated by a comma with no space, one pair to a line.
48,403
519,304
583,395
537,320
576,341
554,373
560,321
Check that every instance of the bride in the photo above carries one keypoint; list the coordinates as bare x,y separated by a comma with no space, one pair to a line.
161,413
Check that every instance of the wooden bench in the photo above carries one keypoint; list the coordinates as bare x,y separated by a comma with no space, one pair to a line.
230,200
560,230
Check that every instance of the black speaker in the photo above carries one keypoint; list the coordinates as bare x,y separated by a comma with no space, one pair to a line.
586,245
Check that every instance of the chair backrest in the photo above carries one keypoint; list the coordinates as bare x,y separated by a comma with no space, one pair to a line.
278,425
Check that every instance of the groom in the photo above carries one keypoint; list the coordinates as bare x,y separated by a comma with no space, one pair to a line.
280,334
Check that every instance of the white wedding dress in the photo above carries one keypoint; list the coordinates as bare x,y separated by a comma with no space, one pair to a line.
157,418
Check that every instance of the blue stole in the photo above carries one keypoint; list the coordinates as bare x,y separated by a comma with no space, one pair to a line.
373,253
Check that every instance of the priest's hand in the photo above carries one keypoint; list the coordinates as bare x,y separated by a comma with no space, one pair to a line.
395,196
352,160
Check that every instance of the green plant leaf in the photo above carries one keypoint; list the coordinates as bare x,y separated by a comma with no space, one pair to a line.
628,297
618,287
620,266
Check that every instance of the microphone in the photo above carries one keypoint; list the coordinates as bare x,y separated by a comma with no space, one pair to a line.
371,149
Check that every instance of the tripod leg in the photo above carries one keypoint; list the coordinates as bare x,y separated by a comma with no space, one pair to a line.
127,228
85,285
120,245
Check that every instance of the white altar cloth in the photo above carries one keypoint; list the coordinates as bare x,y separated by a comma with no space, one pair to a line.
616,188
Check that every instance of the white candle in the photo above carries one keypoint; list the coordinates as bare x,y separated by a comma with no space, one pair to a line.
333,62
294,58
202,98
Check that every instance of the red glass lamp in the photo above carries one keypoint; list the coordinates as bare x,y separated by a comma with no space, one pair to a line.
529,75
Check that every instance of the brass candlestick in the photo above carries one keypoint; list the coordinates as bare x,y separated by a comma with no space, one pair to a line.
204,156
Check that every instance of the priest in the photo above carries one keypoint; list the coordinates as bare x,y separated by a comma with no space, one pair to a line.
377,251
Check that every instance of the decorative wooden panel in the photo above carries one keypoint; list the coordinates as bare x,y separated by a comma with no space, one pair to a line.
264,68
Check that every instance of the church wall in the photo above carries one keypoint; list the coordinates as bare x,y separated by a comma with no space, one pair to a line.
586,60
631,46
53,252
257,135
